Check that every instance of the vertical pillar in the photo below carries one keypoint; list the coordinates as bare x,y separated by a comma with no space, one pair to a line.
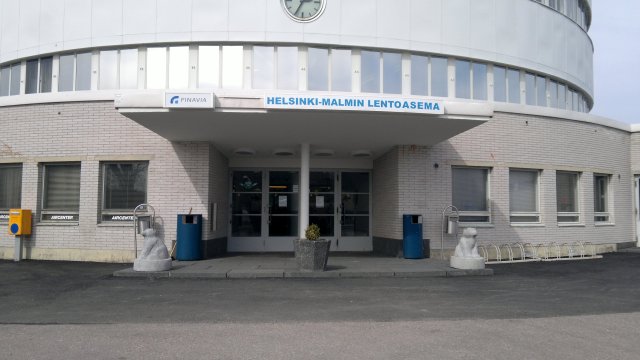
304,189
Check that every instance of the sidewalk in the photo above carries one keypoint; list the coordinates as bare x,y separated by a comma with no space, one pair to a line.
284,266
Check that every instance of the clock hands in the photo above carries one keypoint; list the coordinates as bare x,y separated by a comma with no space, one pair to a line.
299,6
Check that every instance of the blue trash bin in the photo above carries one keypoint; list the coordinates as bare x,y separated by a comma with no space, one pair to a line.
189,237
412,244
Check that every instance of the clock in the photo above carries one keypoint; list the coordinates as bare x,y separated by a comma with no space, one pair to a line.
304,10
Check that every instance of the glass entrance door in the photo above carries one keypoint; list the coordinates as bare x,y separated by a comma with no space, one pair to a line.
265,209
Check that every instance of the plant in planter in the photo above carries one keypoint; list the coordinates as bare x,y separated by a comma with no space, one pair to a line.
312,253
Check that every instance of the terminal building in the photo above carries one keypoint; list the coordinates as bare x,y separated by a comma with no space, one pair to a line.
267,115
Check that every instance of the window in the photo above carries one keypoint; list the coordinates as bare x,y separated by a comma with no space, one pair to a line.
499,84
471,193
419,75
5,80
562,96
156,68
124,186
553,94
318,69
208,67
31,86
567,197
541,87
370,71
46,74
530,88
15,79
288,68
65,72
10,188
392,73
463,79
600,198
439,77
263,62
513,82
232,67
523,196
108,78
129,69
178,67
60,192
480,81
83,71
340,70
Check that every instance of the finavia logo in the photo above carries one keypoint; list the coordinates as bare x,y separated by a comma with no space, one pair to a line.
175,100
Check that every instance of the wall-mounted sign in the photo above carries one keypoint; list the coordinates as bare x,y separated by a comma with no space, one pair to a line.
111,217
60,217
188,100
354,103
4,217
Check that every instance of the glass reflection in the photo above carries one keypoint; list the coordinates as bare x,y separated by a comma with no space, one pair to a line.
83,71
392,73
318,69
263,61
65,72
499,84
480,81
108,78
370,71
513,81
419,75
463,79
179,67
232,67
156,68
340,70
208,66
439,77
288,68
129,69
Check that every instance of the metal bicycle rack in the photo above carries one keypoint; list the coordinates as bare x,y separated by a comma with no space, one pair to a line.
142,219
450,219
546,251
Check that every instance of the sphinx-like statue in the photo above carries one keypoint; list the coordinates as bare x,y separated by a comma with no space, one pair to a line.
154,255
466,254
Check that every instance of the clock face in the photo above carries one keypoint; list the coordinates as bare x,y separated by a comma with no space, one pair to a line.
304,10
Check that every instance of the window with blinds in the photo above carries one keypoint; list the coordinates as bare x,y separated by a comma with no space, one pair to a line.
60,192
124,186
10,188
471,193
567,197
523,196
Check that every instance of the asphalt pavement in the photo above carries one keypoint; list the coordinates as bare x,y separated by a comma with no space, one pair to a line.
565,310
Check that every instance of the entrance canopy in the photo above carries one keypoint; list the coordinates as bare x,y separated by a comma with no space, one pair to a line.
243,121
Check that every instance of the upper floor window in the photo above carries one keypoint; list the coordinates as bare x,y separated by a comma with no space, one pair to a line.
39,75
370,71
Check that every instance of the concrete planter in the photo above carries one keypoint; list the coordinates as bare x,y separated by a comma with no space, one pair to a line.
311,255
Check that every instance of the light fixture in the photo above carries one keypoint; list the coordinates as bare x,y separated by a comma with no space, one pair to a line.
283,152
244,151
361,153
323,152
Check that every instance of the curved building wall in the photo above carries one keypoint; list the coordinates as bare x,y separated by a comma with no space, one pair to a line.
521,33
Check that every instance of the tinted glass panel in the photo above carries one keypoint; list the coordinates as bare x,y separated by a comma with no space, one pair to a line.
46,74
263,67
480,81
392,73
463,79
370,71
340,70
108,78
288,68
246,226
65,72
31,86
129,69
513,80
15,80
179,67
355,226
541,87
439,77
321,182
232,67
247,181
83,71
354,182
499,84
244,204
318,69
530,88
419,75
5,80
208,66
156,68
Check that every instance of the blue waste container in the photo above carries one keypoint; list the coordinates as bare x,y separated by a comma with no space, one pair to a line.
412,244
189,236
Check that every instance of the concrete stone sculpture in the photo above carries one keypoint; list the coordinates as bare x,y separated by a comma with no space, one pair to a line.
154,255
466,256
